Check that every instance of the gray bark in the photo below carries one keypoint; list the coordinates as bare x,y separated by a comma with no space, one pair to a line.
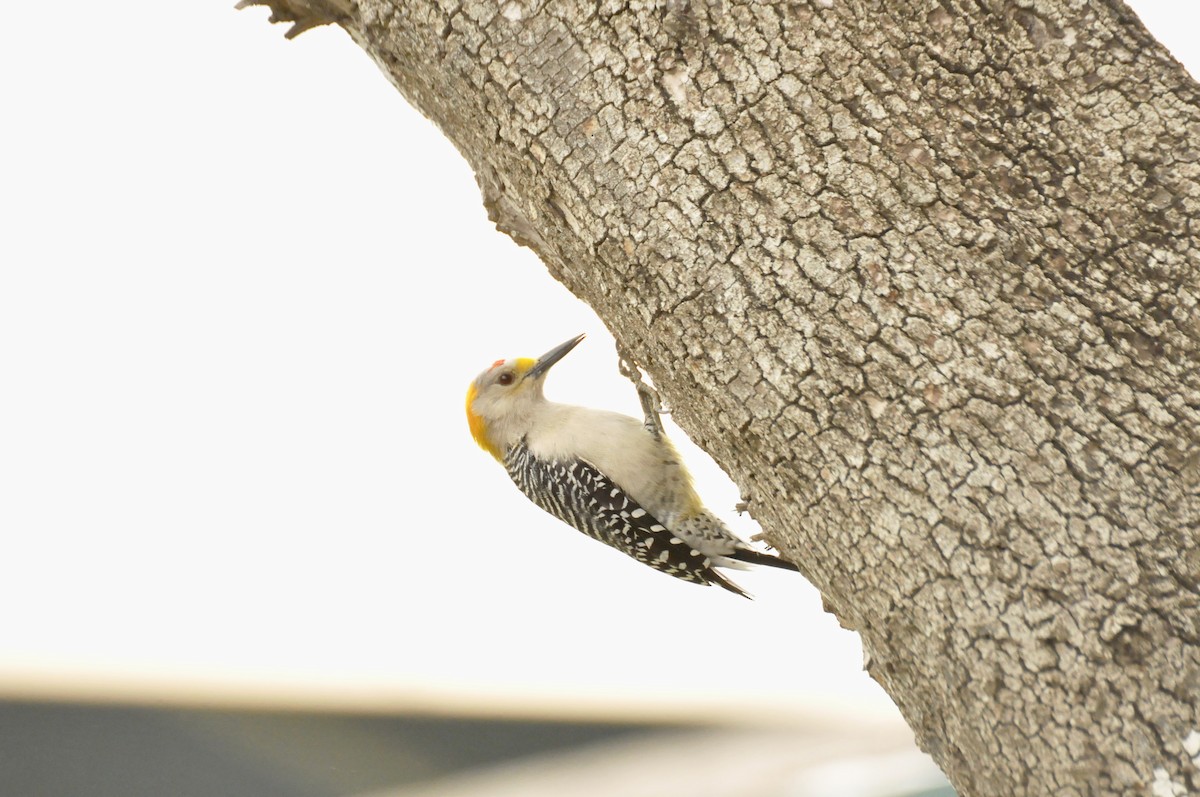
923,277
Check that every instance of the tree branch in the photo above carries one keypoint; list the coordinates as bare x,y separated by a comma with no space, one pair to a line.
923,278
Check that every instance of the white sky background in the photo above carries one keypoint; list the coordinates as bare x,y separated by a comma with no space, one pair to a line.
243,287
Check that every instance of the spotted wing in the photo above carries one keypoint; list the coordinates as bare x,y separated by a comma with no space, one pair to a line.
576,492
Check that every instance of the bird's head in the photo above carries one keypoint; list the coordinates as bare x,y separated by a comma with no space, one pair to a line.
503,400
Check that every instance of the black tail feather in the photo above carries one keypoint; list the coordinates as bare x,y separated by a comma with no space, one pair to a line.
717,578
752,557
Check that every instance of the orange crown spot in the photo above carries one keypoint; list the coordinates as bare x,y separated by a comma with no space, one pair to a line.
497,363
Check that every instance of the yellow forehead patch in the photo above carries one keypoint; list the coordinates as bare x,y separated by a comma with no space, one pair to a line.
520,365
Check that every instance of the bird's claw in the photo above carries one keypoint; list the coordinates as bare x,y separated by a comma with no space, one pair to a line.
652,406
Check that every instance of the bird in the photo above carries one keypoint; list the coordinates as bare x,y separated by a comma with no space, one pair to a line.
614,478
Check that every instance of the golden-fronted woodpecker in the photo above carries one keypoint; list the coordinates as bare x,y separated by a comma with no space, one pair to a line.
609,475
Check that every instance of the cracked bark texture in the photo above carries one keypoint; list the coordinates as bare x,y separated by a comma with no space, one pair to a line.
923,277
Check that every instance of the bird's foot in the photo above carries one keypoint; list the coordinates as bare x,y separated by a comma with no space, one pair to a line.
652,406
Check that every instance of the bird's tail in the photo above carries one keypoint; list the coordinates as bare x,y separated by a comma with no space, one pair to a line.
717,578
753,557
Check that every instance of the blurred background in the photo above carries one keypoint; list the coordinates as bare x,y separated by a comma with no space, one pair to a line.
249,546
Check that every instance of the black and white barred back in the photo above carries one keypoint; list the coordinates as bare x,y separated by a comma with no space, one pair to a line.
577,493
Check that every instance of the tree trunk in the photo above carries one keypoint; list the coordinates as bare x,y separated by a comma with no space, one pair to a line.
923,277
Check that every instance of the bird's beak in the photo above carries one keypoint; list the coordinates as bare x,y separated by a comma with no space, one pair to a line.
551,357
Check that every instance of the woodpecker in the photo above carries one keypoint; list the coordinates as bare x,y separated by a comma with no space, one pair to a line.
616,479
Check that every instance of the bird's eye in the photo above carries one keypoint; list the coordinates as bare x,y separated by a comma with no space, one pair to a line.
505,378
